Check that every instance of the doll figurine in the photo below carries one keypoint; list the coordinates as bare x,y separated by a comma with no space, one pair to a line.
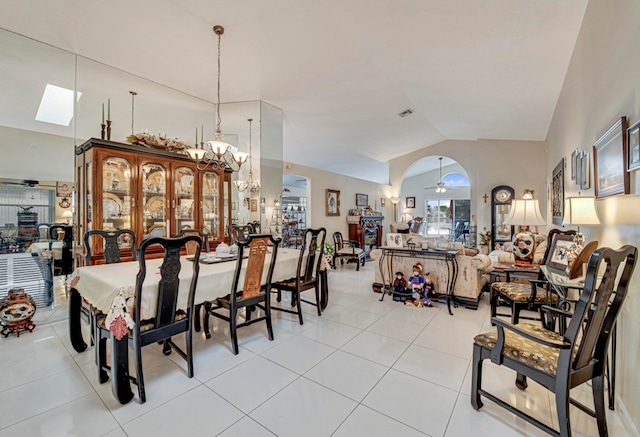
417,281
429,291
399,286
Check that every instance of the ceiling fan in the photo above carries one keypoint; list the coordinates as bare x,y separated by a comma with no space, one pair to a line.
25,183
440,188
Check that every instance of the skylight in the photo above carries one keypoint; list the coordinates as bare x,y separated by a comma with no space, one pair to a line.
56,105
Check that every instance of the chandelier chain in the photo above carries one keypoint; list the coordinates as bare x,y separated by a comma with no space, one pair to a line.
219,119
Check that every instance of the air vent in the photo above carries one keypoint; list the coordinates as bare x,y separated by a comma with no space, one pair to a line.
406,112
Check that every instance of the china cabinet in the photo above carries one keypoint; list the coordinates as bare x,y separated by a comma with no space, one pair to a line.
153,192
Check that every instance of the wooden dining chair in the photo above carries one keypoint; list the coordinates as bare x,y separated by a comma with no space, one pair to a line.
256,226
530,295
113,242
255,292
347,249
169,320
307,274
191,249
562,362
239,233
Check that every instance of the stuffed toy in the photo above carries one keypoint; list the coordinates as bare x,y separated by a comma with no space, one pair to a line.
400,286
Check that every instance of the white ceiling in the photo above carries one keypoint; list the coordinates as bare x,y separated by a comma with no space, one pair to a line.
341,70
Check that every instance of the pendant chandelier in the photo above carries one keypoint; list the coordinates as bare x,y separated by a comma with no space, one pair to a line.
218,154
251,185
440,185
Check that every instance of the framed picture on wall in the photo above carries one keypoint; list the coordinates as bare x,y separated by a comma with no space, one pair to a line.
557,193
610,177
254,205
362,199
633,147
585,171
411,202
333,202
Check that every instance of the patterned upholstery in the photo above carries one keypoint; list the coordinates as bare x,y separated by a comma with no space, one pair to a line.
145,325
543,358
350,250
520,292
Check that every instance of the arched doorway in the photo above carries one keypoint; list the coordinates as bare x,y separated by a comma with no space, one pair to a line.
439,190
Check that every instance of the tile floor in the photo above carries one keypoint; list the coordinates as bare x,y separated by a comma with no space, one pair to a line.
365,368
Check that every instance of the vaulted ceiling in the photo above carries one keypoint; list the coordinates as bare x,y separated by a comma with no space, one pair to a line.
341,70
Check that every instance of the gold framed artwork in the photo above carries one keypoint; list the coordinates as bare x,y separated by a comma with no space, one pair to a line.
333,202
254,205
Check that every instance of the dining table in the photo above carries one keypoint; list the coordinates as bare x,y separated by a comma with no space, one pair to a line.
100,284
40,247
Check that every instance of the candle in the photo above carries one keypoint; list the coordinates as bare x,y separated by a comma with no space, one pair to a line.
103,113
202,134
196,135
109,109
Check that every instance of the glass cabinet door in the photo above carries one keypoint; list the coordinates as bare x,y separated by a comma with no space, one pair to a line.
211,204
116,195
154,200
184,197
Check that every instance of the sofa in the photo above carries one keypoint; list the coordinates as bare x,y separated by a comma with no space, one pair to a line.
473,268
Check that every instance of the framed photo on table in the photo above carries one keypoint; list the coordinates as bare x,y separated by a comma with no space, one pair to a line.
394,241
333,202
561,248
633,147
610,177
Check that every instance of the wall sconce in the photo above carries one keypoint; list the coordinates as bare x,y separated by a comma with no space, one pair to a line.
382,200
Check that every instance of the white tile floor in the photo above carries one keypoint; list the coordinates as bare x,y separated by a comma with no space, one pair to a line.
365,368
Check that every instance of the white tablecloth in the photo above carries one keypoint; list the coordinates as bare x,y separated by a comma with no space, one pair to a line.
40,247
99,284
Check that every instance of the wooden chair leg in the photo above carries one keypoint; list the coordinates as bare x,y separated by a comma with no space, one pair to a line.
139,375
515,314
299,305
521,381
267,310
196,317
597,385
493,302
205,322
233,326
318,306
476,379
357,265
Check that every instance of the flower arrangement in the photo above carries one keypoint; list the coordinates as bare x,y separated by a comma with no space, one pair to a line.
485,238
157,142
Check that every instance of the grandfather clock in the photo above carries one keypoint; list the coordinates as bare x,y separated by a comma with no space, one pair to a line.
501,198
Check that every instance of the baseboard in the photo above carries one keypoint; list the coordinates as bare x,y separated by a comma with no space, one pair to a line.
626,417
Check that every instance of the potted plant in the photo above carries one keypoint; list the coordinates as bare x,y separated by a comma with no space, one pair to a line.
485,241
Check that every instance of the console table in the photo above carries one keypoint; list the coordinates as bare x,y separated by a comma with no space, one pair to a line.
448,256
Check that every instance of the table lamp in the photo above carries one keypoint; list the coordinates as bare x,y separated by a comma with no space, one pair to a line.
524,213
67,215
580,211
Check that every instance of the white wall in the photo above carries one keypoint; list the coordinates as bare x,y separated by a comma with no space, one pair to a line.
603,84
33,155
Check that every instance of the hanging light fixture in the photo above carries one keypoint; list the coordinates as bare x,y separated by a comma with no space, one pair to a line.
440,185
251,185
218,154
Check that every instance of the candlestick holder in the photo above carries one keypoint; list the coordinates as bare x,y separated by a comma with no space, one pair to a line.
202,144
109,130
102,130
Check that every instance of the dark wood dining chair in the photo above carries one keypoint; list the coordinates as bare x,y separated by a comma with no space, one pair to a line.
239,233
307,274
254,291
530,295
562,362
347,249
113,241
191,249
169,320
256,226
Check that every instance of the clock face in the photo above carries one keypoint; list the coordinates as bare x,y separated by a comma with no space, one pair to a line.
503,195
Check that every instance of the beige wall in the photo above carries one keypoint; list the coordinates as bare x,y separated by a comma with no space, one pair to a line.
318,181
603,84
487,163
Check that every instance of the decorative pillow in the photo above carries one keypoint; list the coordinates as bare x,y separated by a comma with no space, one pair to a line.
538,254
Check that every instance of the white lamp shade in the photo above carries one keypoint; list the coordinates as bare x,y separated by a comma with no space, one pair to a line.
525,212
580,211
67,214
